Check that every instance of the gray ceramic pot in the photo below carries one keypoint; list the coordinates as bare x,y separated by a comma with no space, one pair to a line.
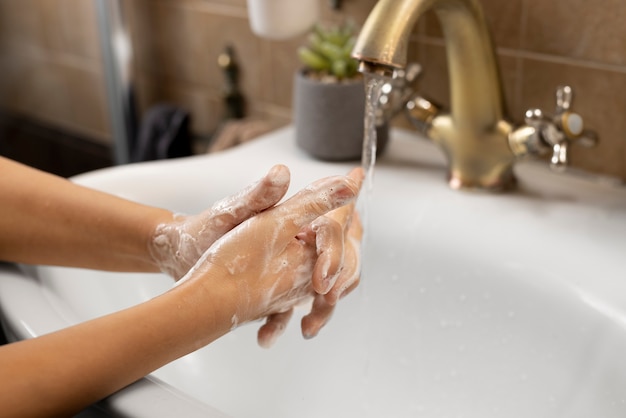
329,119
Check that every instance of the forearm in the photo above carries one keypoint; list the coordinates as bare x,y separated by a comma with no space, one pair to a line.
72,368
46,219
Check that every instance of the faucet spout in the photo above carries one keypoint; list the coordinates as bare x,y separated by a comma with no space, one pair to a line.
474,135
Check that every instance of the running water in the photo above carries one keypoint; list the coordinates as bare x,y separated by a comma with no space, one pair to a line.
373,91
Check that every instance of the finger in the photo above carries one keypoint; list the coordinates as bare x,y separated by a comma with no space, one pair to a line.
307,236
353,286
312,202
358,175
343,215
355,231
265,193
321,312
345,284
330,244
252,200
330,253
350,273
273,328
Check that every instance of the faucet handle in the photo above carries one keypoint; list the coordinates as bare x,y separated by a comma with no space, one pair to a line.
409,74
401,82
396,91
562,129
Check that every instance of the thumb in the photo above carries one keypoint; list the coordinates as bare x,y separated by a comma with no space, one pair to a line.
265,193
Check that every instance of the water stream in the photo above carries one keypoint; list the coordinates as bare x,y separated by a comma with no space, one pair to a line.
373,91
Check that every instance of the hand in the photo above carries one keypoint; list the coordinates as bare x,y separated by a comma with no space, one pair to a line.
267,262
177,245
334,242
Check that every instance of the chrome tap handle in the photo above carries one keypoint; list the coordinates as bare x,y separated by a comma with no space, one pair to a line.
564,98
397,91
410,74
562,129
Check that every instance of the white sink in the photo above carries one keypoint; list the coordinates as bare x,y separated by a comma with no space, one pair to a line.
471,305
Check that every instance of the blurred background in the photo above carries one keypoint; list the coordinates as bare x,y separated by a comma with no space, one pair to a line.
55,110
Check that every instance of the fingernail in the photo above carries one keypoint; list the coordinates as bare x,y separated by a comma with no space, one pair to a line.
279,174
329,281
308,332
267,342
308,335
325,287
342,190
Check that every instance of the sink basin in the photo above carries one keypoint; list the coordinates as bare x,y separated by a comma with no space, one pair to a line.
471,305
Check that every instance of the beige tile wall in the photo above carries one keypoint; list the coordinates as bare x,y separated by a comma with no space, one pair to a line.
50,66
540,45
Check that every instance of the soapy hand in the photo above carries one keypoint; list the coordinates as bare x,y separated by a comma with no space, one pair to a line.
333,241
305,248
177,245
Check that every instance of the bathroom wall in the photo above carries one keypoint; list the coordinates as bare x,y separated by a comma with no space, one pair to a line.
540,45
178,62
50,68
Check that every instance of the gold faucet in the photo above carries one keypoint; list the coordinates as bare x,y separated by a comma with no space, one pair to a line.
480,144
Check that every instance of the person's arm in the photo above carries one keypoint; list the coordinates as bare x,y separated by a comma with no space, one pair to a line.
46,219
249,273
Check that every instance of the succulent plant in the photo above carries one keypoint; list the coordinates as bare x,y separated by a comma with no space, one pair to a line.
328,51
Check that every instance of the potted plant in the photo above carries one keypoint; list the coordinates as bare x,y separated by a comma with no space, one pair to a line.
329,97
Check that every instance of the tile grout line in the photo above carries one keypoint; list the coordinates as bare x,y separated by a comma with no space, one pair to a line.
538,56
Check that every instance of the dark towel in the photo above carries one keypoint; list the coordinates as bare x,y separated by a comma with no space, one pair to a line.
164,133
